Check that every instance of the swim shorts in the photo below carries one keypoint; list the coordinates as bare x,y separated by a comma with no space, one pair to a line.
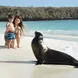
11,36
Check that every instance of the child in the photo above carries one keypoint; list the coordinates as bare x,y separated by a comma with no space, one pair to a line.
10,31
18,24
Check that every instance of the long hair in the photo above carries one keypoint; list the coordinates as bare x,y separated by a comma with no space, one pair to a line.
20,24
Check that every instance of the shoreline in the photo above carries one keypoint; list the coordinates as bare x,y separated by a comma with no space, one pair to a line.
58,37
52,36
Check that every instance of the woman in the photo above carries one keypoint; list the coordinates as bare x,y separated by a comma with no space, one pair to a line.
18,24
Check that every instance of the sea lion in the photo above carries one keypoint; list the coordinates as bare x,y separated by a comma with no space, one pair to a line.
45,55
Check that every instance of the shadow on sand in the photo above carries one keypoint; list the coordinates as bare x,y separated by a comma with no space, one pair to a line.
2,47
21,62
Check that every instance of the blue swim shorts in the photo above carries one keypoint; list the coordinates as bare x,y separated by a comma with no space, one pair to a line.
11,36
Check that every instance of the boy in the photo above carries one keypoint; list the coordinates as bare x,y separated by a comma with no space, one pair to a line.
10,31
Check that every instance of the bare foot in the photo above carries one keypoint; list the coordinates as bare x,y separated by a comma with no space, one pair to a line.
18,47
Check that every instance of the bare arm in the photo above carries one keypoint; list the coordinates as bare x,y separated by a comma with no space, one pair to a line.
19,32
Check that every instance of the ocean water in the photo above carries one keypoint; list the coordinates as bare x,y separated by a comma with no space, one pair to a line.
66,27
49,29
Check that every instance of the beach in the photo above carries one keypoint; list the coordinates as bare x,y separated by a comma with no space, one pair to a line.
20,63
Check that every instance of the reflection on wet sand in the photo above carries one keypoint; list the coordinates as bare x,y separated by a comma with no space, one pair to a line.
54,71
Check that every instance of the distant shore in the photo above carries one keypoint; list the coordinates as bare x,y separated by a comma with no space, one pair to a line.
40,13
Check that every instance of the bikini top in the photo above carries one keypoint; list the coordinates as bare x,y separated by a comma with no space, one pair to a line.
16,30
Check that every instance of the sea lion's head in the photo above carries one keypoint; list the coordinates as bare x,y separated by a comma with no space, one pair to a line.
39,36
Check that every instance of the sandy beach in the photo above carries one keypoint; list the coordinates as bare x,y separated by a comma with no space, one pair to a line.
20,63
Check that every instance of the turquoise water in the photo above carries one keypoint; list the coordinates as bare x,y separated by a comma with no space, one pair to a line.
49,28
2,27
55,27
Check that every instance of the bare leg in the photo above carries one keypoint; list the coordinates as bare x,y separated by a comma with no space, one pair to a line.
12,44
9,43
18,37
18,42
6,43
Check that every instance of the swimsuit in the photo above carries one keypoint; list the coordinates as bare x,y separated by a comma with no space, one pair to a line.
16,31
11,35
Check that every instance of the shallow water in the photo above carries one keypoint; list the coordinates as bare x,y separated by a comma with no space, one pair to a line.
56,29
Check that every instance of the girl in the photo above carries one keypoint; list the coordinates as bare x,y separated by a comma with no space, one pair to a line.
18,24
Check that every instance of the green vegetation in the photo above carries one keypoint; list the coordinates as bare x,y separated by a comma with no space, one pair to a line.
40,13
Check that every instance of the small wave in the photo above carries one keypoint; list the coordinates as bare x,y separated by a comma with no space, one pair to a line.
56,34
62,32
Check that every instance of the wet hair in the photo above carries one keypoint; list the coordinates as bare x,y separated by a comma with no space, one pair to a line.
10,16
20,24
